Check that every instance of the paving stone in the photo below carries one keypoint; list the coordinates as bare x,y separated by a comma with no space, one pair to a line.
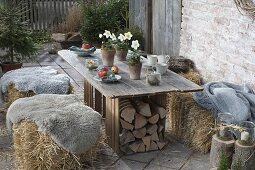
74,74
158,167
44,58
60,61
198,161
174,156
125,164
142,157
34,64
105,161
51,64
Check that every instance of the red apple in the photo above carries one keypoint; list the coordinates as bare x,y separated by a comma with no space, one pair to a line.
102,73
85,46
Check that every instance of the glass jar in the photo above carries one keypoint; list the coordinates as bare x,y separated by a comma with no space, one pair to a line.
223,121
247,133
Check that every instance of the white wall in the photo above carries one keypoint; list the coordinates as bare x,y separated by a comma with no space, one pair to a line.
219,39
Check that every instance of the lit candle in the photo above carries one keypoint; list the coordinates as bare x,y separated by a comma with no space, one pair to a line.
244,136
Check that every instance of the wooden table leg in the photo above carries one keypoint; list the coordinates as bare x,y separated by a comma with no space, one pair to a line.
88,94
98,102
112,123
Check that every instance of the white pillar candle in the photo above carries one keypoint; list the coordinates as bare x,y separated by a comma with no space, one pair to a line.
222,131
244,135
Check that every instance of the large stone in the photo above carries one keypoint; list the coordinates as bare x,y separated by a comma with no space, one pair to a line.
58,37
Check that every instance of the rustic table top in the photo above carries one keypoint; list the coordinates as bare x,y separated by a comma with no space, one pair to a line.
170,82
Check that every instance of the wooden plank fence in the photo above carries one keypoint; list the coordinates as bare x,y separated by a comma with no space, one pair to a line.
160,21
44,14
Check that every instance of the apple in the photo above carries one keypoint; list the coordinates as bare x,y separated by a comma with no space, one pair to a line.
85,46
102,73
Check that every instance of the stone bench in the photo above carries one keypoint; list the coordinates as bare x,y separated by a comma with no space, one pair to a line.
54,132
26,82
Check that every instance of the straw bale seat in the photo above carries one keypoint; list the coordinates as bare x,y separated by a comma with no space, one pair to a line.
188,121
52,132
26,82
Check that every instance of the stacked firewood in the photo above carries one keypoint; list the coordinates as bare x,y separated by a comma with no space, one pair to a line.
142,126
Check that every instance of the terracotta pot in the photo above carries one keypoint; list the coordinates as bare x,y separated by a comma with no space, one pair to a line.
108,57
135,71
10,66
121,55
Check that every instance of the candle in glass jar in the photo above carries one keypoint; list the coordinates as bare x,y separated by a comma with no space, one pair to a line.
244,135
222,131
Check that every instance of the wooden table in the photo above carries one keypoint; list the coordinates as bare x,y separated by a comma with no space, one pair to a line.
107,96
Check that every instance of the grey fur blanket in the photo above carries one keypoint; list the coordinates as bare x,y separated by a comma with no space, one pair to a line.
40,80
221,97
72,125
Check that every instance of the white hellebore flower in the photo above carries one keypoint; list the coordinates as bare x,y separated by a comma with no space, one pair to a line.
128,36
100,35
121,37
135,44
113,37
107,34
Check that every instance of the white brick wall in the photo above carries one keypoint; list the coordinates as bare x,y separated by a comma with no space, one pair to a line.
219,39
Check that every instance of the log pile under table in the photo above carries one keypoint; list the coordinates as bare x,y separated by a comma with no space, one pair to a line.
142,126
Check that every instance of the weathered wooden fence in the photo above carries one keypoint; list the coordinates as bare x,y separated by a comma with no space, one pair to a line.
160,21
43,14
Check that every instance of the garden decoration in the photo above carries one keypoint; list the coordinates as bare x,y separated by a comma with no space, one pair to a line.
246,5
134,61
107,48
15,38
223,141
245,147
122,46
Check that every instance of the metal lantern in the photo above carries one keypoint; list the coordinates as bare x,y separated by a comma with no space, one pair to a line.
222,122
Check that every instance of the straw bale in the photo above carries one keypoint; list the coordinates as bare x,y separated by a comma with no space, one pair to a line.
13,94
35,150
193,76
188,121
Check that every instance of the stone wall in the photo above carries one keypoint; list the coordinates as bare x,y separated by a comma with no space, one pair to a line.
219,39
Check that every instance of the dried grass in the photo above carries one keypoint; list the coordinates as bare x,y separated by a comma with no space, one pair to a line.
13,94
72,21
193,76
35,150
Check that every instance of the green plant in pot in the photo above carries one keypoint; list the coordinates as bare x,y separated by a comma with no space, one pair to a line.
15,38
122,45
107,48
134,61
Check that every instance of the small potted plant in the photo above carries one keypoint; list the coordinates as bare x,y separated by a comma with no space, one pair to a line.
15,38
134,61
107,48
122,46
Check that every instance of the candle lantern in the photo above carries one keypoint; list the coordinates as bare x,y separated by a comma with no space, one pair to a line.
247,136
222,122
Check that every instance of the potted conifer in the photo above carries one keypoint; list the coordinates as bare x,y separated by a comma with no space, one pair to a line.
15,38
